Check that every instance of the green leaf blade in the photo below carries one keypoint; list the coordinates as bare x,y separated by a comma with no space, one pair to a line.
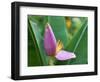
39,43
79,46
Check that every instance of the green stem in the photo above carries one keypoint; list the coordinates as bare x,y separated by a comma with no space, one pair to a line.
51,61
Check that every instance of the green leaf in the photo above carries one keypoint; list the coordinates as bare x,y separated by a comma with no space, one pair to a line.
33,59
38,51
81,51
40,21
79,46
76,40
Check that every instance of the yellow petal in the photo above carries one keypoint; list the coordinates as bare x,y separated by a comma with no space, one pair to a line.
59,46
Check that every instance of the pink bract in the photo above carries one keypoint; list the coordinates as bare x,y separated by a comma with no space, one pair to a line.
49,40
64,55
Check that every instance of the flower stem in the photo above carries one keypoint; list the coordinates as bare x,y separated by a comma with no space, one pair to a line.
51,61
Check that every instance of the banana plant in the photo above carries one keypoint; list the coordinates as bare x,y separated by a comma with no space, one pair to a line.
48,42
